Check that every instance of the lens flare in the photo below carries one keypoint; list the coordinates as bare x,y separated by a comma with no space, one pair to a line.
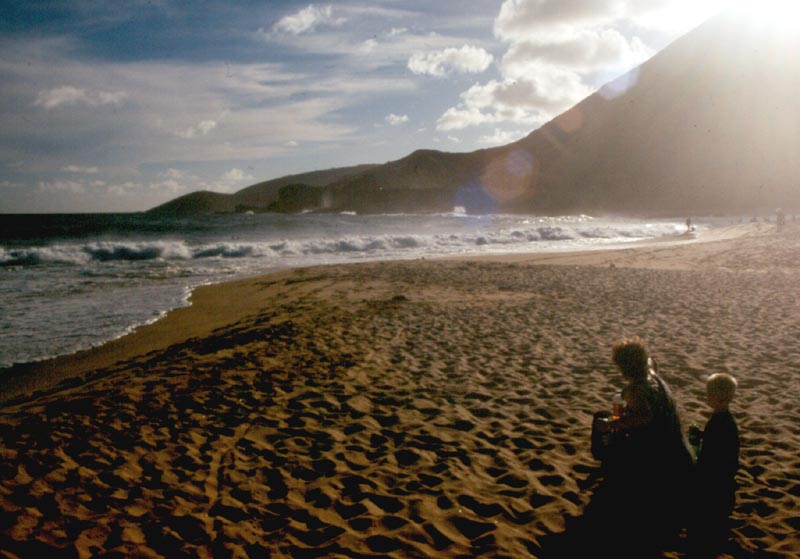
510,177
570,121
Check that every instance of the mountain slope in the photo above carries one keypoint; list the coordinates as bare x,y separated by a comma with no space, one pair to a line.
709,125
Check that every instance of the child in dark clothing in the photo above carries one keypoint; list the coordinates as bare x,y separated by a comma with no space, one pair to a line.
715,483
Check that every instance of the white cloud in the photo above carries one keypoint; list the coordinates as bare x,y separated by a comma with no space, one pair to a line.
291,144
548,91
126,188
228,182
171,188
172,174
458,118
520,20
363,49
168,187
206,126
66,95
202,129
454,139
396,120
677,16
369,45
584,51
557,52
110,97
80,169
209,118
501,137
199,99
236,175
548,88
307,19
467,59
71,187
174,182
91,188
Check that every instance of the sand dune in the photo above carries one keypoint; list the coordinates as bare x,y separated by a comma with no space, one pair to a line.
405,409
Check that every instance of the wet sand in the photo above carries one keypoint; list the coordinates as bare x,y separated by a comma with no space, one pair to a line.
400,409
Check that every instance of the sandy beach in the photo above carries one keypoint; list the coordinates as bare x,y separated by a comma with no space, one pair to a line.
401,409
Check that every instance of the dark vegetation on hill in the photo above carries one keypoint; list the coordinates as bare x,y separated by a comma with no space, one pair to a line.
709,125
260,197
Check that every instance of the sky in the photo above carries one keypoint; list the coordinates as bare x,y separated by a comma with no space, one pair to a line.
121,106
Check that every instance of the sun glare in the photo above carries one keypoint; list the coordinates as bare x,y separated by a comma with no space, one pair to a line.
778,14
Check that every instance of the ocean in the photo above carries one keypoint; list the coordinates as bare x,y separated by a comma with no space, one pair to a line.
70,282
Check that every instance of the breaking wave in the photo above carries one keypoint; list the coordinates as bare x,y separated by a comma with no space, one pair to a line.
525,236
64,276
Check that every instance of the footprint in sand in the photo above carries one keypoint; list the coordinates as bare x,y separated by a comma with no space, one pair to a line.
471,529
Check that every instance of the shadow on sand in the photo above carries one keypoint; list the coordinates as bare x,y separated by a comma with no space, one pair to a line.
626,525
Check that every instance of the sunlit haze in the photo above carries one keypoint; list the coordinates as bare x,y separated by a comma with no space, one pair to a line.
783,15
120,107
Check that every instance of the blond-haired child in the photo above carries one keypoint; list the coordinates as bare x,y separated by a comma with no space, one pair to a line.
715,473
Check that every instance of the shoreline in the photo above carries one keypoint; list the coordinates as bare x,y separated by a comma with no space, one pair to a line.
72,327
46,374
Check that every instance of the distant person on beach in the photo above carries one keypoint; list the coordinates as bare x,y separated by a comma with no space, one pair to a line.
689,225
781,219
648,462
714,484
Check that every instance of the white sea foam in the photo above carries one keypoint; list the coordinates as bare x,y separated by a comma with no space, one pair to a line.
62,293
522,233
